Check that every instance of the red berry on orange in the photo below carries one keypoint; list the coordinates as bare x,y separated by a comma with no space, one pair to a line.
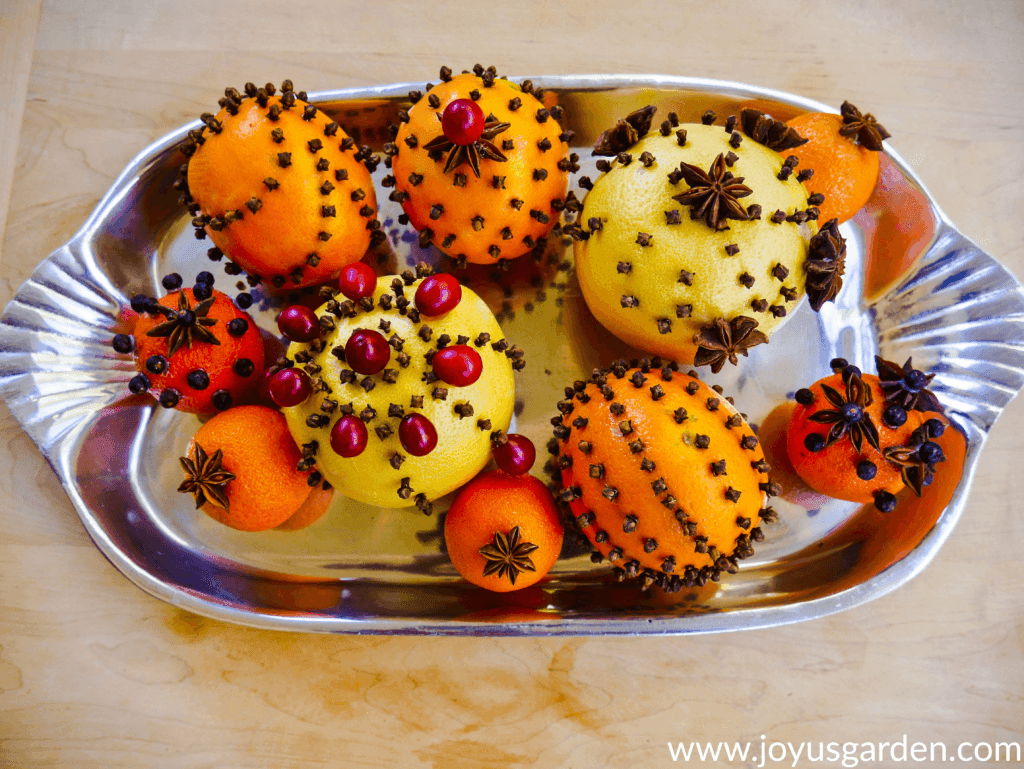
462,121
348,437
417,434
298,324
459,366
438,294
289,387
367,352
357,280
516,456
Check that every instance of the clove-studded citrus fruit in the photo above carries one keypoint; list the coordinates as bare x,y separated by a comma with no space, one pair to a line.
863,438
692,228
404,405
843,151
244,470
480,166
279,187
503,531
661,473
195,350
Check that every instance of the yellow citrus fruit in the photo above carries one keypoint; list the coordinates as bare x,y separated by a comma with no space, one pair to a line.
657,296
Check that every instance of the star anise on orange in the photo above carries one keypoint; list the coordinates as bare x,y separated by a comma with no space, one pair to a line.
470,153
825,265
867,131
849,415
186,325
917,459
724,340
507,556
206,478
713,196
905,386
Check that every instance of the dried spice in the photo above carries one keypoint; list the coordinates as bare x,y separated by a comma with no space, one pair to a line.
507,556
825,265
625,133
205,478
864,129
916,460
905,386
724,340
470,153
186,325
850,416
773,134
713,196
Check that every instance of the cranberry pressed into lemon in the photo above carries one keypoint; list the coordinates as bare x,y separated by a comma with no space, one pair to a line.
298,324
348,437
438,294
417,435
357,280
367,352
462,121
289,387
516,455
459,366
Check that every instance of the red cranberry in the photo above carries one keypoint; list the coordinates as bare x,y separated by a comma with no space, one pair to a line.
516,456
357,280
348,437
289,387
298,324
462,121
438,294
367,352
417,434
459,366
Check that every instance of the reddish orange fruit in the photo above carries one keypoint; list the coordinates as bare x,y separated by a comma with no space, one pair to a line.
199,356
280,187
503,532
847,441
242,469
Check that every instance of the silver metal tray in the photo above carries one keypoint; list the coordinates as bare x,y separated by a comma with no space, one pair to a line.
915,287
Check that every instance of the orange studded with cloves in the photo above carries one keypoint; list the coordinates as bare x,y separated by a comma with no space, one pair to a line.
662,474
491,194
280,188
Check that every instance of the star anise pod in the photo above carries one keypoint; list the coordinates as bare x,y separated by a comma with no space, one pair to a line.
825,265
186,325
916,460
626,132
850,416
724,339
905,386
470,153
714,195
507,555
206,478
867,131
773,134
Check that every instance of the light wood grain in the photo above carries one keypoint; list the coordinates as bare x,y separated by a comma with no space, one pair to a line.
18,22
94,673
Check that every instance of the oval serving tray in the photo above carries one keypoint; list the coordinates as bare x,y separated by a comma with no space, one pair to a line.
914,287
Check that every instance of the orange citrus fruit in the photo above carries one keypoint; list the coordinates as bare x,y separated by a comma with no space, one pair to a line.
844,171
258,450
514,520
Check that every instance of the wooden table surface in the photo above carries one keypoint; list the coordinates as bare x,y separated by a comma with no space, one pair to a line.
95,673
